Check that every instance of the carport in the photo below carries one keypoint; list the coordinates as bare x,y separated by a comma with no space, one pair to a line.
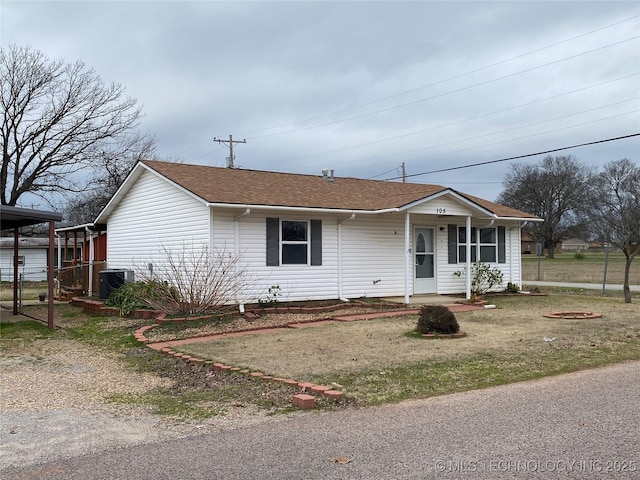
14,218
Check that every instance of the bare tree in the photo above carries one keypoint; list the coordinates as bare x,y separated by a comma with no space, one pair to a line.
57,119
614,213
556,190
112,167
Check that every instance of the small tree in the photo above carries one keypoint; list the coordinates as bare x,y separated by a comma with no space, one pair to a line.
614,213
483,278
195,280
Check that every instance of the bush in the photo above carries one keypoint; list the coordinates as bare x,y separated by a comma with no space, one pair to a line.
512,287
437,319
136,295
483,278
578,256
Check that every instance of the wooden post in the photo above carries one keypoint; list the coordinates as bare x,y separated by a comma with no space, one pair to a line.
50,269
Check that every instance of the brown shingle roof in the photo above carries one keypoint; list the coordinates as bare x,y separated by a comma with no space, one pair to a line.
254,187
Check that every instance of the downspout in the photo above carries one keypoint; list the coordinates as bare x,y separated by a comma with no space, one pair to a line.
407,256
520,227
340,222
236,239
90,259
468,249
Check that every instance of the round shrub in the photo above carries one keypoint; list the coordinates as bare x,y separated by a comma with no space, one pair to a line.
437,319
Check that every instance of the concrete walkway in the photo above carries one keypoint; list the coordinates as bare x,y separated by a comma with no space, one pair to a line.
585,286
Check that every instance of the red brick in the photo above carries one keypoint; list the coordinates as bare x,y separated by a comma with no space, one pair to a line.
256,374
320,389
333,394
291,382
267,377
304,401
305,385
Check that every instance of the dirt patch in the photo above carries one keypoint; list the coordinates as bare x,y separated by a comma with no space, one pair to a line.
306,353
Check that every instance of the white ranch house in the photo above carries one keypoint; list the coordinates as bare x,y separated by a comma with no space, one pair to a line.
316,237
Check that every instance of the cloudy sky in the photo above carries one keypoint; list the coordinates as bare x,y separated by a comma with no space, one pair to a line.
361,87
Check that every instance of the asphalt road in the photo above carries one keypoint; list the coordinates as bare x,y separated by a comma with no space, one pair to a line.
581,425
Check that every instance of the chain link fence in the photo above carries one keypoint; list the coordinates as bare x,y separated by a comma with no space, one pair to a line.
69,281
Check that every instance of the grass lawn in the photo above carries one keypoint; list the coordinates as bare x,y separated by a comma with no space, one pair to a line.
375,361
565,267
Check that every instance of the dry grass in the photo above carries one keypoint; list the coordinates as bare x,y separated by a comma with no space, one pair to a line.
516,328
30,290
566,268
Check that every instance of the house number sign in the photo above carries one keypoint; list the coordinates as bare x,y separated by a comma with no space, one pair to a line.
441,211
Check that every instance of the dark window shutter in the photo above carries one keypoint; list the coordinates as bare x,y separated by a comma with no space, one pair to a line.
453,243
502,245
273,242
316,242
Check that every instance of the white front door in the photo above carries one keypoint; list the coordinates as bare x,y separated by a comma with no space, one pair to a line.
424,260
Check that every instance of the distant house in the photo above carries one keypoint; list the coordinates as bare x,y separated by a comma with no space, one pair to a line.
574,245
528,246
316,237
32,258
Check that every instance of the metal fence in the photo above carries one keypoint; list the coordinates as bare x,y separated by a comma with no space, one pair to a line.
69,281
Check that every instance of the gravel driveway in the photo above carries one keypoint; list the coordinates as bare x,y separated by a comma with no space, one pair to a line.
53,404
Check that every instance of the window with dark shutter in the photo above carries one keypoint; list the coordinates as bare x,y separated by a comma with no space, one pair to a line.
316,242
273,242
453,243
502,245
293,242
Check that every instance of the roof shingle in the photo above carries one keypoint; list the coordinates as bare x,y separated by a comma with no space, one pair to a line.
254,187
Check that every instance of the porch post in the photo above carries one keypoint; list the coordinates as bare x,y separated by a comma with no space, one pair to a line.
407,255
50,269
468,248
16,237
92,254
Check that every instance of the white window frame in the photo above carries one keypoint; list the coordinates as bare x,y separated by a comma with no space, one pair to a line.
307,242
476,245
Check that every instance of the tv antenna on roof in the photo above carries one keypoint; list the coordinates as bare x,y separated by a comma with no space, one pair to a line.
229,143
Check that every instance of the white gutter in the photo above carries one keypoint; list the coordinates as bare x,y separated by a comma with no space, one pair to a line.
340,222
408,271
236,239
304,209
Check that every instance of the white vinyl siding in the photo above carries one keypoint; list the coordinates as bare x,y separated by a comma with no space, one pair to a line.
373,260
442,206
296,282
151,217
33,269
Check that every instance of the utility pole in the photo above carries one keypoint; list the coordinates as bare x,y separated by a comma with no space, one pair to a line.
404,174
229,143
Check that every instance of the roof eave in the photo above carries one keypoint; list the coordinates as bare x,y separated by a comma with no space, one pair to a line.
301,209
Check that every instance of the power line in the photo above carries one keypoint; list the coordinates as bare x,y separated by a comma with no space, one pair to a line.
457,90
446,79
458,122
519,156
